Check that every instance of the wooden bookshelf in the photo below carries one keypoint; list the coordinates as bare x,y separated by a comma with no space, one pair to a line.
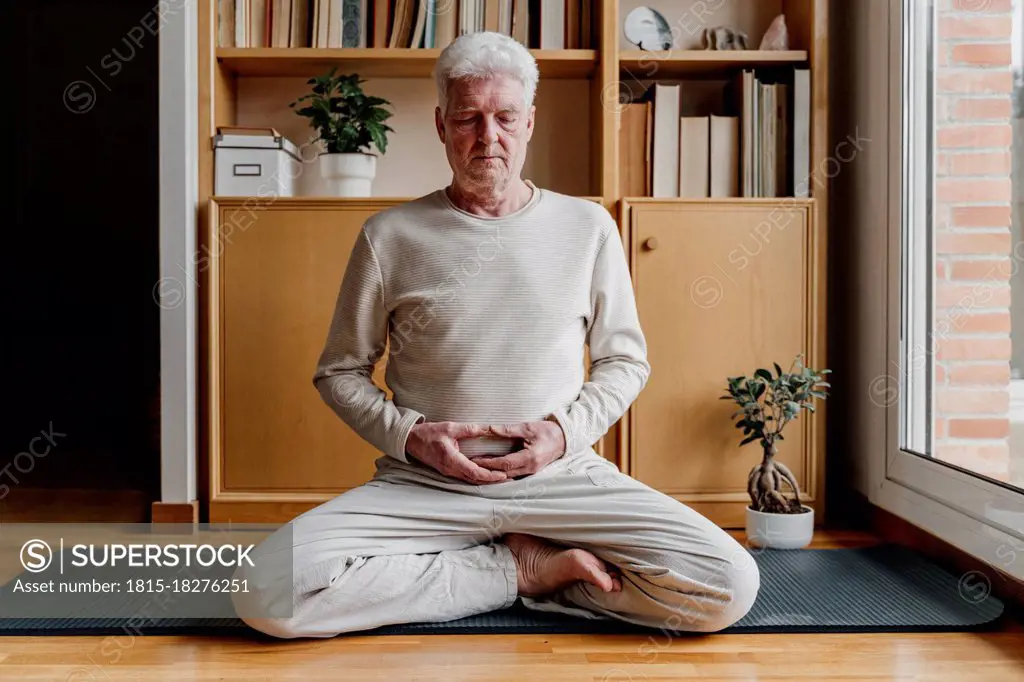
380,62
672,245
683,63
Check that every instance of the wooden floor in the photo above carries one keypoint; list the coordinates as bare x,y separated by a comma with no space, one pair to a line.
952,657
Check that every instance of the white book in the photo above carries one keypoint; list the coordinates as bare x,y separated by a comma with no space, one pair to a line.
665,143
725,156
552,25
241,23
801,134
336,23
466,9
694,150
281,23
505,17
323,25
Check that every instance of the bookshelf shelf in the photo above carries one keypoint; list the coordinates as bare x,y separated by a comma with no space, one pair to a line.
380,62
674,63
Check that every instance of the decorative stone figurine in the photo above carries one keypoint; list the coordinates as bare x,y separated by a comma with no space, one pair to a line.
723,38
777,36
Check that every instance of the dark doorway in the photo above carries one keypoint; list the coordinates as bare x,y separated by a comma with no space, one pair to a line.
80,328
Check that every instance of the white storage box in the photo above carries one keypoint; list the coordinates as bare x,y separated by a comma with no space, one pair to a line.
254,162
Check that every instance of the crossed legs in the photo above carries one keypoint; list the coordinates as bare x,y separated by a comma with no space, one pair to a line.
414,546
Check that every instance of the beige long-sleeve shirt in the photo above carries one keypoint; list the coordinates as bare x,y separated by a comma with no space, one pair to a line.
487,320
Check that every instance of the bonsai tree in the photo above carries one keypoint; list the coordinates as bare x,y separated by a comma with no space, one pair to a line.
769,403
347,119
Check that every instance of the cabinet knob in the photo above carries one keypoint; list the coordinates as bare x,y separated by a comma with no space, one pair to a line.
650,244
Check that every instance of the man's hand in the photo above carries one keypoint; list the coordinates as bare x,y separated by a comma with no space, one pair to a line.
543,443
436,444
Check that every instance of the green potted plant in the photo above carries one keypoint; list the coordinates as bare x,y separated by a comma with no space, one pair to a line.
768,403
348,122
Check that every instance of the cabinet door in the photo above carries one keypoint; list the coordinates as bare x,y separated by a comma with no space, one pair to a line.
723,288
275,447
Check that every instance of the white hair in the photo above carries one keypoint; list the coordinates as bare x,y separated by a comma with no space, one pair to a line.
483,55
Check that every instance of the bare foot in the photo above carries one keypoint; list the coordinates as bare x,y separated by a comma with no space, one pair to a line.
542,567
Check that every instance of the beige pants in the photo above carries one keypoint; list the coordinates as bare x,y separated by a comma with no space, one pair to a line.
412,545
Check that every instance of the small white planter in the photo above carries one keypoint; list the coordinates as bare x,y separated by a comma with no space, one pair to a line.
780,531
349,175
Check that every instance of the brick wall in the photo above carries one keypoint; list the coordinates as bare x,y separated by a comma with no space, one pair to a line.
975,255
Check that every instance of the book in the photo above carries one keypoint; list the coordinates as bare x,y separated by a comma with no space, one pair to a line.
323,23
402,27
353,23
748,127
299,29
665,150
521,21
281,23
694,147
334,22
504,15
762,150
572,24
635,150
258,23
781,140
801,133
225,23
586,20
241,19
419,28
552,25
381,22
724,156
429,32
492,9
446,17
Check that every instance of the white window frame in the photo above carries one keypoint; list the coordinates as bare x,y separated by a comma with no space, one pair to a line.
977,516
176,292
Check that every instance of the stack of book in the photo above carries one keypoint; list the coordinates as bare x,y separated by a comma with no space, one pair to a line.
762,149
551,24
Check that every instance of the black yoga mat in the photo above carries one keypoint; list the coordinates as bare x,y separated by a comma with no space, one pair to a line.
883,588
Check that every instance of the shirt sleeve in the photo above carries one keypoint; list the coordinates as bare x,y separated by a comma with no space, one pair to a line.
355,342
618,351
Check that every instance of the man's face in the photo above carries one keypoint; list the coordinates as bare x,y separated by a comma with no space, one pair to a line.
485,132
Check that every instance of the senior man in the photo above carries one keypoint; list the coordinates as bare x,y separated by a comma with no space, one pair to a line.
488,488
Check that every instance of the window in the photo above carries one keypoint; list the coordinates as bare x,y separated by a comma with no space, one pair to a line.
961,374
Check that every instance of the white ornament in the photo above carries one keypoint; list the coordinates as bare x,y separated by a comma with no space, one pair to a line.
648,30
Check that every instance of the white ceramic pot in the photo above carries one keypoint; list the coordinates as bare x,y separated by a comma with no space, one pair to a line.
780,531
349,175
